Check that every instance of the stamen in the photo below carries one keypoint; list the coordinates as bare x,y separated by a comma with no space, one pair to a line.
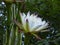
26,20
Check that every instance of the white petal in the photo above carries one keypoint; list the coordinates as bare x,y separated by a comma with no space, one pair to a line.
28,14
43,22
42,27
23,16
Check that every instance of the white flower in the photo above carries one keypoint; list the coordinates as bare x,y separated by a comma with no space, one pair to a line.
32,23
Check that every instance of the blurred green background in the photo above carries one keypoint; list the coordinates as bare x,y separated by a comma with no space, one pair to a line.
49,10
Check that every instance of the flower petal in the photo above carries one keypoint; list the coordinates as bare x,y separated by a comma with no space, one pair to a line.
42,27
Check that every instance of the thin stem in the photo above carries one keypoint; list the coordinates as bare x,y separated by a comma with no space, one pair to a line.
27,39
36,36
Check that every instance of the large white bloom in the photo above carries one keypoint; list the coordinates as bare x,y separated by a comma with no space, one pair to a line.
32,22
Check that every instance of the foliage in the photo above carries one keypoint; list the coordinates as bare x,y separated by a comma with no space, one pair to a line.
49,10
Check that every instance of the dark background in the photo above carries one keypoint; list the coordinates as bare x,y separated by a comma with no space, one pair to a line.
49,10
